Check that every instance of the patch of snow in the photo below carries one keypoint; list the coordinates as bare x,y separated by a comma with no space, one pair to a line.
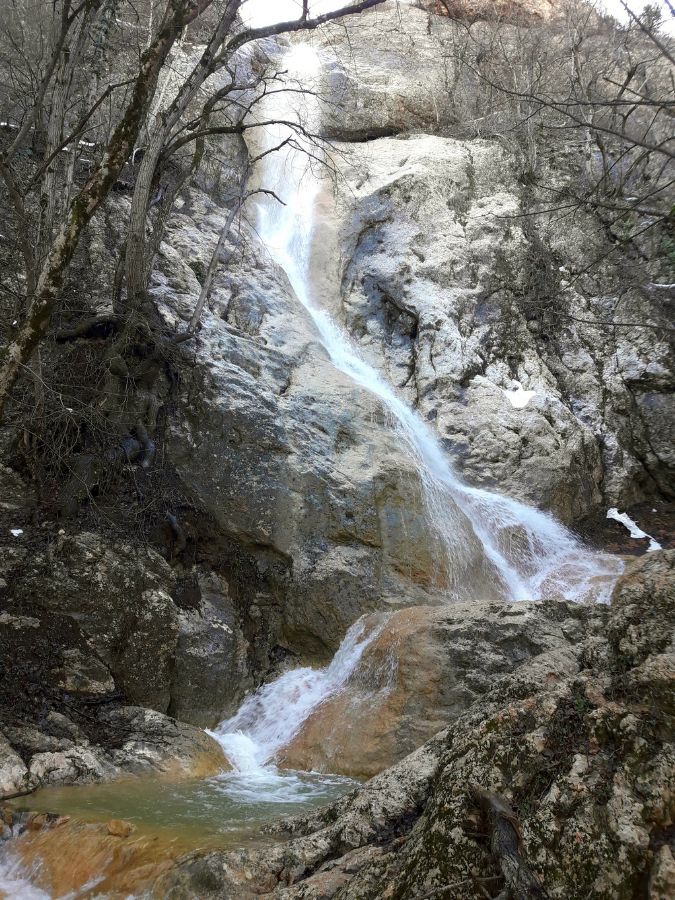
635,532
519,398
17,532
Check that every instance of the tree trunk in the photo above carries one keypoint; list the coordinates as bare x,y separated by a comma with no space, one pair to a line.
91,195
211,271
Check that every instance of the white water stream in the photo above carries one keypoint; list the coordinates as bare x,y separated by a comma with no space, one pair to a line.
16,882
273,715
527,553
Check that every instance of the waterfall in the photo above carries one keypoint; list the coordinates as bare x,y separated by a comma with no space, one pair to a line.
527,552
273,715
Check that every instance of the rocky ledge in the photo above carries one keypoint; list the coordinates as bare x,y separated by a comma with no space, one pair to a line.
556,782
127,740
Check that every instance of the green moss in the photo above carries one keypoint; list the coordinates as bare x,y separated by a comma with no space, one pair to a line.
567,735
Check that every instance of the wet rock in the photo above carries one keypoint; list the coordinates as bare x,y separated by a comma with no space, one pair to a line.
584,763
152,742
63,855
417,305
119,828
424,670
13,772
128,741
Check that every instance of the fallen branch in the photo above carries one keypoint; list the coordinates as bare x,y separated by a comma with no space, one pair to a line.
24,793
455,884
507,845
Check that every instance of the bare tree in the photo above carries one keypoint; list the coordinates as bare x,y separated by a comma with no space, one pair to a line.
584,88
54,61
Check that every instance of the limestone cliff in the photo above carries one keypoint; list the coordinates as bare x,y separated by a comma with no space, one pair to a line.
273,503
463,287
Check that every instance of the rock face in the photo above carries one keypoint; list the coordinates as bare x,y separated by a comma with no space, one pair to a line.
210,663
120,599
442,279
130,627
579,761
521,11
90,627
424,670
291,458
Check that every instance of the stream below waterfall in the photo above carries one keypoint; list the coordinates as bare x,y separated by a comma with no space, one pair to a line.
527,555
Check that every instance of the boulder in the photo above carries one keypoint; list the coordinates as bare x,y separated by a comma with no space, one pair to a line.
63,855
128,740
151,742
120,598
116,620
210,668
13,771
427,666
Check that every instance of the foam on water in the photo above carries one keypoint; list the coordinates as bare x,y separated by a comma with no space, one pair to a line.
15,880
273,715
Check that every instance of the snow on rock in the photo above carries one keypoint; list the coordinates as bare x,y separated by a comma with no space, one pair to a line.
519,398
635,531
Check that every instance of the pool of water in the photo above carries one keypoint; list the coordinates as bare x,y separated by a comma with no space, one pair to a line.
228,809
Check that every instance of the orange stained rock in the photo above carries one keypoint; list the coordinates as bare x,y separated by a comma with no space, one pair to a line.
119,828
87,860
391,704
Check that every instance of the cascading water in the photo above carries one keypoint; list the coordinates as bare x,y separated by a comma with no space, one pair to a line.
526,550
532,554
272,716
16,882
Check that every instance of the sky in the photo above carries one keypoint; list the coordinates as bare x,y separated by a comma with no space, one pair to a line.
616,9
264,12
